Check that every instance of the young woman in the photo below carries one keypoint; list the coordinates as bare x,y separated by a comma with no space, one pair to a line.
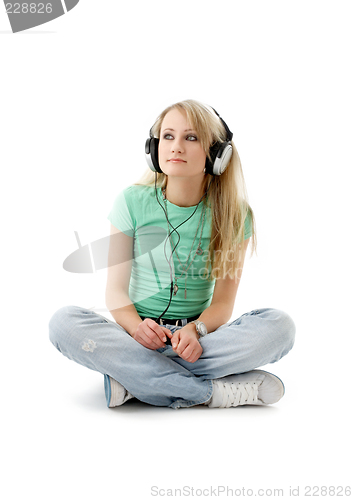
177,246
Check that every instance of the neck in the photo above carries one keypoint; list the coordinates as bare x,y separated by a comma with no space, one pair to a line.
184,192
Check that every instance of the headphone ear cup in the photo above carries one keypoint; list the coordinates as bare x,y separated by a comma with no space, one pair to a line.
213,154
151,153
220,153
222,159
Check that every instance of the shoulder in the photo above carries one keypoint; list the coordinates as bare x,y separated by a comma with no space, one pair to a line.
136,201
138,193
134,196
140,198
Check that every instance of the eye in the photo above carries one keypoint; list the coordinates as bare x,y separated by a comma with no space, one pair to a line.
168,136
191,138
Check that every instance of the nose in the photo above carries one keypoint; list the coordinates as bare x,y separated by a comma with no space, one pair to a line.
176,146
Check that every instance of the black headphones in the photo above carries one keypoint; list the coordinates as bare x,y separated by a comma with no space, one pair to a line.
220,152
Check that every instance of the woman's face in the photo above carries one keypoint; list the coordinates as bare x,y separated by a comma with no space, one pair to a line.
180,152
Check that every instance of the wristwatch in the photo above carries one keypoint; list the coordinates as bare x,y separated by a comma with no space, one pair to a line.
200,327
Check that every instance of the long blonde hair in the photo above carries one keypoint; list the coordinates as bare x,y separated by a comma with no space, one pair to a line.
227,195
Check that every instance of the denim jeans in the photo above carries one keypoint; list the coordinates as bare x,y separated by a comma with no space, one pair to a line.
160,377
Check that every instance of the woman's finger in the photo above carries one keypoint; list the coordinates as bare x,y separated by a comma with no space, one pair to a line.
187,352
195,356
147,337
156,328
175,339
152,338
167,332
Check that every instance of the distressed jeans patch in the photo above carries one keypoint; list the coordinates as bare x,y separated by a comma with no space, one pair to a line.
89,346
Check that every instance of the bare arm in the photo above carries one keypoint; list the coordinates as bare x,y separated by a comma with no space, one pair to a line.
222,305
117,290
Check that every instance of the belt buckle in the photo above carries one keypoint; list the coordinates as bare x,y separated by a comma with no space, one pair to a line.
161,322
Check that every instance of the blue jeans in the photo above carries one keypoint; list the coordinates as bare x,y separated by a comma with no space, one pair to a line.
160,377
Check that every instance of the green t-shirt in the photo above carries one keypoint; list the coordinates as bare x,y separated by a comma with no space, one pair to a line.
136,212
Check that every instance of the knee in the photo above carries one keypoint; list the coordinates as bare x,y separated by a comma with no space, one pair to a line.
62,322
285,328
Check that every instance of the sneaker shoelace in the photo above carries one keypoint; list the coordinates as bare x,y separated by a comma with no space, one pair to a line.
239,394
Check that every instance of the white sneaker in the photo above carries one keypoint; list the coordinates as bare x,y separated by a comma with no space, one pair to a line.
115,393
252,388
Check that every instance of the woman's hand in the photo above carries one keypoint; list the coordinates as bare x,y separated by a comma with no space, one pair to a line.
151,335
186,343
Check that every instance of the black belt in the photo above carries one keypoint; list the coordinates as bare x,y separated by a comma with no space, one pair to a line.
166,321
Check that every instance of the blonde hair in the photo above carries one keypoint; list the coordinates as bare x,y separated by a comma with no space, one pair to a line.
227,195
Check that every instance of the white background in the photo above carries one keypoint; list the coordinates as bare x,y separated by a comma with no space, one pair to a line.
78,96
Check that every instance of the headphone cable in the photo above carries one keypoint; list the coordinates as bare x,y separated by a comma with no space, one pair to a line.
169,236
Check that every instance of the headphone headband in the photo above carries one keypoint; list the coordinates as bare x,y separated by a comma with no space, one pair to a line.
228,132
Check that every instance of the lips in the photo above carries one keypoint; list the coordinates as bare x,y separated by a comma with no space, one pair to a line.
177,160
